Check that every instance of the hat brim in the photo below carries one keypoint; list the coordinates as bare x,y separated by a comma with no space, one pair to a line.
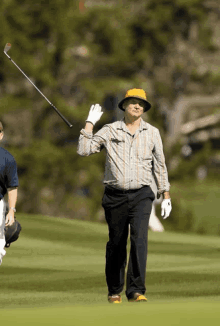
147,104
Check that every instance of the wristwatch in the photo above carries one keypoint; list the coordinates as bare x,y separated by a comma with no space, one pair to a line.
13,208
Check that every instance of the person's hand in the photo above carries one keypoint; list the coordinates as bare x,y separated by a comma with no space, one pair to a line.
95,114
10,218
166,208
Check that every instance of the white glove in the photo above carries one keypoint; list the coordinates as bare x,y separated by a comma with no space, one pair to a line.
166,208
95,114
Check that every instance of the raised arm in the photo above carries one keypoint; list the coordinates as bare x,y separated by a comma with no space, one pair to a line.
89,144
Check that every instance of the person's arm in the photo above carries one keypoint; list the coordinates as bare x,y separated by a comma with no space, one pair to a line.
12,200
166,195
160,171
89,144
159,167
89,127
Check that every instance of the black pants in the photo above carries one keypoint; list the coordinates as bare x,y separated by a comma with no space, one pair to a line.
121,210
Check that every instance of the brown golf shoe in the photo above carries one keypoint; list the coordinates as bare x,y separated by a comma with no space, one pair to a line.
116,298
137,297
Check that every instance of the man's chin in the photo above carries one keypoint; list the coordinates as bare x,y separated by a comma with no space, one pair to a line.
137,114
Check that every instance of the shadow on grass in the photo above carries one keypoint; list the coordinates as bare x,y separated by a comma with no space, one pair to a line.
46,280
74,235
185,249
166,284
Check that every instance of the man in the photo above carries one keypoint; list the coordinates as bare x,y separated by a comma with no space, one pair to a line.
134,151
8,184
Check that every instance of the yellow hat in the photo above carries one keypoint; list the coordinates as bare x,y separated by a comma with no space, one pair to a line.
136,93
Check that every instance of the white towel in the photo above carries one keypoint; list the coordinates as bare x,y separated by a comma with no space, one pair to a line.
154,223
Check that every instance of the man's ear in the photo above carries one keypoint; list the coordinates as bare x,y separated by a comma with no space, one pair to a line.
1,135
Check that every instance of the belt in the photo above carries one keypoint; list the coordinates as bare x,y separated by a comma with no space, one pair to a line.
121,191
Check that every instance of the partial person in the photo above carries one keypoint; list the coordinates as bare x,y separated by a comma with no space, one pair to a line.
133,150
9,186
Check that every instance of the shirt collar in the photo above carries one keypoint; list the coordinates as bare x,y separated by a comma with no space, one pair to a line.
143,125
122,125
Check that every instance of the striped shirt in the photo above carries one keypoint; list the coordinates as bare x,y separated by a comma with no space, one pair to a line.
131,160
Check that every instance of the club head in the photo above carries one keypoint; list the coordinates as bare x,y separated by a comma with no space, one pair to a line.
7,47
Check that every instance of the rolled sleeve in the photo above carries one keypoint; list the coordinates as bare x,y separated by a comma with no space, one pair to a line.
86,134
89,144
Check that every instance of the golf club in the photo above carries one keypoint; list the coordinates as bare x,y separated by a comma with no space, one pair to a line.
6,49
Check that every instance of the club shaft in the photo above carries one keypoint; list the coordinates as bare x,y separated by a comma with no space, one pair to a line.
53,106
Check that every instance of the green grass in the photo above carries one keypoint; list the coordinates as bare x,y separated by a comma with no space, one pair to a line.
202,198
54,275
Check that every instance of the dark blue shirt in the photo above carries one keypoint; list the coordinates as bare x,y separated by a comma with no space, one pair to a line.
8,172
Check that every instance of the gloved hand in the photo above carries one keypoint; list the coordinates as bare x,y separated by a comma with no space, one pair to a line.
95,114
166,208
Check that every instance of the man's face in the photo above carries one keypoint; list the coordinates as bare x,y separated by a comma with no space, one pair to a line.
134,107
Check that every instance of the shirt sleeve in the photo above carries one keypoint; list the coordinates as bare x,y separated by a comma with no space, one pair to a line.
11,176
159,166
89,144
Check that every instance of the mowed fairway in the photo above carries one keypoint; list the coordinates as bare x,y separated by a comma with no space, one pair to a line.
54,275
